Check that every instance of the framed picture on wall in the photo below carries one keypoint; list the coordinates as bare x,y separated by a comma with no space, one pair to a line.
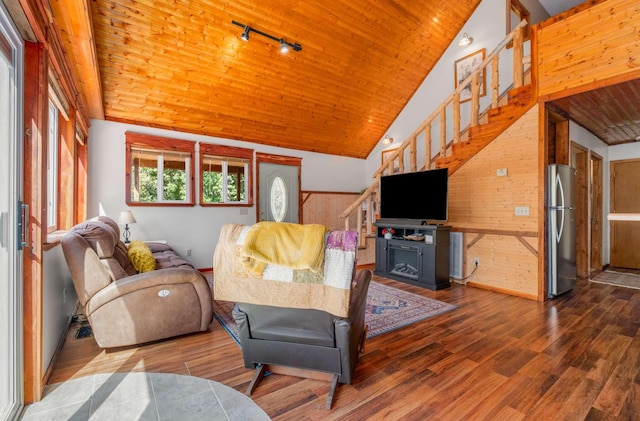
463,69
386,154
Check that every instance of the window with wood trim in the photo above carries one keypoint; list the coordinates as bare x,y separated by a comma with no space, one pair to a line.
225,175
159,171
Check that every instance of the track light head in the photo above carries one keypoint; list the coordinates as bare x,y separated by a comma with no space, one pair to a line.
284,47
245,34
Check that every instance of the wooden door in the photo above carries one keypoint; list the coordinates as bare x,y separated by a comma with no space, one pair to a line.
580,161
625,198
278,188
596,212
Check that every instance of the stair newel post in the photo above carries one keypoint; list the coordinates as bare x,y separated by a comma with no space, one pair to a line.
518,54
427,149
456,117
475,97
443,132
413,164
495,81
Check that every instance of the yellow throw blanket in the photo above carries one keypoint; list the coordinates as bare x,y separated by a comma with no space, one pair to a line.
280,243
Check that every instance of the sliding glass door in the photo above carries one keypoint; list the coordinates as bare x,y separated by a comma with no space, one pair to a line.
11,59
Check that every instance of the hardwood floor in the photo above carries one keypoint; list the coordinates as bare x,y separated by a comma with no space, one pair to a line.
496,357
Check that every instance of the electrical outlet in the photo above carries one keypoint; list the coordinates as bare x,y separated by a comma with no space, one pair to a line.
476,261
501,172
188,252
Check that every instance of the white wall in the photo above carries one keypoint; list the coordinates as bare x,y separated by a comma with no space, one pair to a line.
59,301
196,228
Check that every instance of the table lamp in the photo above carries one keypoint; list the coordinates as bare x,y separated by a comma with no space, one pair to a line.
126,218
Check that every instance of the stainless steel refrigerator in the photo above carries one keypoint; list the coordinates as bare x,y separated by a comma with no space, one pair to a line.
561,233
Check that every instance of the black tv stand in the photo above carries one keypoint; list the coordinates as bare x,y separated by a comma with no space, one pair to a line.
404,258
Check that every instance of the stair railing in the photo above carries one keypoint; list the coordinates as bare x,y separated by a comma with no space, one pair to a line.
365,216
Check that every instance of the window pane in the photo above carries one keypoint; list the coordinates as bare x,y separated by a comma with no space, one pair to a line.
52,167
278,199
174,177
212,180
144,176
236,181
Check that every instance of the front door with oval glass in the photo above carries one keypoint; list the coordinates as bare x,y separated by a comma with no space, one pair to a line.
279,192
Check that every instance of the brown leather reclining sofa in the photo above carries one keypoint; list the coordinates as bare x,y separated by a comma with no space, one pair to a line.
124,307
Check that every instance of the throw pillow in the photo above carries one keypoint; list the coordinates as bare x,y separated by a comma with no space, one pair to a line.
141,257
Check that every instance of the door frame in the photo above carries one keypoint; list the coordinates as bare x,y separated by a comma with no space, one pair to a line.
579,159
596,217
264,158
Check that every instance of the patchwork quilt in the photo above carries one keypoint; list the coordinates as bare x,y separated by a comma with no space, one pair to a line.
326,287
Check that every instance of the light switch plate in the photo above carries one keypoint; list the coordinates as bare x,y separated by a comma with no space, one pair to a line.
501,172
522,210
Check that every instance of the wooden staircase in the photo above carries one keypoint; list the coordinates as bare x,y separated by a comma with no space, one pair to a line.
498,119
506,107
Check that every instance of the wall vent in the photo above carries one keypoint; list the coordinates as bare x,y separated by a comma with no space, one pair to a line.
455,255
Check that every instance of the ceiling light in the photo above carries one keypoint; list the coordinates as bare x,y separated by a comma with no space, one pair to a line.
387,140
245,34
284,45
465,40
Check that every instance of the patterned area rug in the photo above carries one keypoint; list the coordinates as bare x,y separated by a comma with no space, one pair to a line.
388,309
620,279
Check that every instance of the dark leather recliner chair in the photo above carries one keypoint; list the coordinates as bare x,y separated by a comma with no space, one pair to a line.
304,338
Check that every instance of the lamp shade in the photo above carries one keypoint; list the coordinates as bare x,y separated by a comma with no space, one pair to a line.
126,217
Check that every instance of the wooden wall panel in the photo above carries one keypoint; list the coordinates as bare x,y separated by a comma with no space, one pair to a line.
480,200
325,208
597,44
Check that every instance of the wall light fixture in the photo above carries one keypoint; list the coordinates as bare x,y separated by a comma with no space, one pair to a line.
465,40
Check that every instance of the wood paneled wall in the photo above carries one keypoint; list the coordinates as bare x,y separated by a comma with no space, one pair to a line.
600,44
320,207
483,205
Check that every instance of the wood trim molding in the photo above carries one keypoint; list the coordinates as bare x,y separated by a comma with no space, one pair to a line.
527,245
507,233
35,152
278,159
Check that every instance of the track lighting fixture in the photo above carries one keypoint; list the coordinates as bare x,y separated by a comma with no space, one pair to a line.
245,34
284,45
465,40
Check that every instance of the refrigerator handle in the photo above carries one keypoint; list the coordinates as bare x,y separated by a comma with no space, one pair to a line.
559,187
561,227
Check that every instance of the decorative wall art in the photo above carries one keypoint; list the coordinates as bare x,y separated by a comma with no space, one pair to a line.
386,154
463,69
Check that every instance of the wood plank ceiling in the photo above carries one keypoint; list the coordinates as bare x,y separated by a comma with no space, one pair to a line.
181,65
611,113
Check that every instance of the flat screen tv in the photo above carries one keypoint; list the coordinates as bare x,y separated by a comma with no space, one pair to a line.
417,196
